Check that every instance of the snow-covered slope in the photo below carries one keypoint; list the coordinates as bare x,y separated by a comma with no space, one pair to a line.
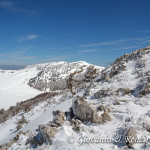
128,74
14,84
123,87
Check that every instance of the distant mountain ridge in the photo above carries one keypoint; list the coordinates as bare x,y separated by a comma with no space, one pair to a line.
11,67
53,75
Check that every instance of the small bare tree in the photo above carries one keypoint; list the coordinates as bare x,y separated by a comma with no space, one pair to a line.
71,80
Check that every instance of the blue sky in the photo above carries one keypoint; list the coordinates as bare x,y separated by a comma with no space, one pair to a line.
96,31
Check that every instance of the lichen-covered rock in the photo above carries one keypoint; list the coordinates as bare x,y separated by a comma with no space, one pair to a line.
83,111
59,117
48,133
131,137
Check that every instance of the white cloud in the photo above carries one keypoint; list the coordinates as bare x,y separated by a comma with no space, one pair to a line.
13,7
113,42
88,51
6,4
28,37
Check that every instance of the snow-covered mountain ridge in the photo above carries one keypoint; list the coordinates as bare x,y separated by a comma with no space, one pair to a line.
116,105
128,74
53,76
20,85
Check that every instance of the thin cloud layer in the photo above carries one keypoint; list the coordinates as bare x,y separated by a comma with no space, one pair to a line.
28,37
15,7
88,51
113,42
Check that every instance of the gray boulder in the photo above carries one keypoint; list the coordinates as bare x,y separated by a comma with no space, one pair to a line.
83,111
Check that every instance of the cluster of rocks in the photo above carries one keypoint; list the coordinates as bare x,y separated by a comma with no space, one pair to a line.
116,68
46,132
81,112
133,56
84,112
109,92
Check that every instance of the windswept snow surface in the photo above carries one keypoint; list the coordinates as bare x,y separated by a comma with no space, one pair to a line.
14,88
41,114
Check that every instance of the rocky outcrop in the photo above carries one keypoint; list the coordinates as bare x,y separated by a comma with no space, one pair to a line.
83,111
48,133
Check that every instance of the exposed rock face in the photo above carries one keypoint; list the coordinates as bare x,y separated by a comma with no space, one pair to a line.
48,133
85,112
131,137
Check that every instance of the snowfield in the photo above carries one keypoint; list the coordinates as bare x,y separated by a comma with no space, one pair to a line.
14,86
